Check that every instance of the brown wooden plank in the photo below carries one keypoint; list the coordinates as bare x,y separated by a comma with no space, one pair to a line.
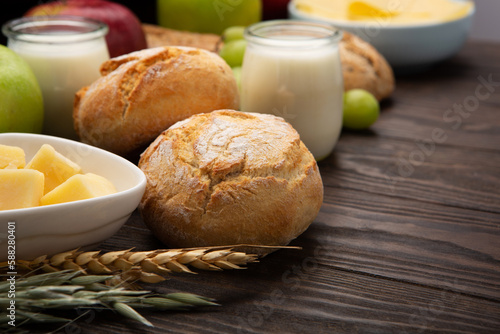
417,123
449,176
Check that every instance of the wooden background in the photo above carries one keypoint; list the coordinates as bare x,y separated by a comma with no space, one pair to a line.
408,238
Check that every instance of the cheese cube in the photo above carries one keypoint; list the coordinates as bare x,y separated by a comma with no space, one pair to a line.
20,188
11,157
78,187
56,167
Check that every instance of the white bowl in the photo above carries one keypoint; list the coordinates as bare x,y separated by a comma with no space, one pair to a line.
406,47
50,229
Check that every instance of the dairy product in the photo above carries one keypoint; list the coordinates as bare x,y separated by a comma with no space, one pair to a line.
79,187
56,167
387,12
302,84
20,188
65,54
11,157
48,178
61,70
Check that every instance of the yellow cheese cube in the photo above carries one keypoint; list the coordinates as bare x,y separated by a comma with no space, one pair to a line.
56,167
20,188
78,187
11,157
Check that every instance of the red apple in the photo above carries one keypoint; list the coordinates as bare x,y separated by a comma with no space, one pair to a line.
274,9
125,30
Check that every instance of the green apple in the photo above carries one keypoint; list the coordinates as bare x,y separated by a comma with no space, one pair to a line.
233,52
21,103
361,109
207,16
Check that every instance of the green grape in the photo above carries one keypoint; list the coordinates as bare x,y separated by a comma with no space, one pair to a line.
233,33
237,76
233,52
361,109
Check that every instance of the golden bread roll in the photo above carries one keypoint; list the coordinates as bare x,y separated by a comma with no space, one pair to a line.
143,93
362,65
229,177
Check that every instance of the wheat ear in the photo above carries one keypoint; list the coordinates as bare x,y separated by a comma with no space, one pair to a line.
39,297
147,266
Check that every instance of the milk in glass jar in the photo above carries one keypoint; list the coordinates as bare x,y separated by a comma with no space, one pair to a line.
292,69
65,54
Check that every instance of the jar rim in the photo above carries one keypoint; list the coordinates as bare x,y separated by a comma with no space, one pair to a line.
281,33
54,29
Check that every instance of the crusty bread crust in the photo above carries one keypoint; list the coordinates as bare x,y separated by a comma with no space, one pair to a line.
143,93
362,65
229,177
160,36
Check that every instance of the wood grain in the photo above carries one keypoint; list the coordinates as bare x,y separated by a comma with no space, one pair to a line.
407,240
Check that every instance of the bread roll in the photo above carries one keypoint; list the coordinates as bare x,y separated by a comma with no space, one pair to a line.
143,93
363,67
229,177
160,36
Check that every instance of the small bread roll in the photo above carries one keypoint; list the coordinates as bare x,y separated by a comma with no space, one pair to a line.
363,67
143,93
229,177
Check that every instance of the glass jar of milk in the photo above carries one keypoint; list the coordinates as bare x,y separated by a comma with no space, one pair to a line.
65,53
292,69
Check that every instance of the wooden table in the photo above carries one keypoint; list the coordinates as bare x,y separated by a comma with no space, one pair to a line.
408,238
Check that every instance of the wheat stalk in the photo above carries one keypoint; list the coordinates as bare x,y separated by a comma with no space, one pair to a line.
38,297
78,279
147,266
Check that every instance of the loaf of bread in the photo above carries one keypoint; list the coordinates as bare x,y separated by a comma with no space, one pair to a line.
143,93
362,65
229,177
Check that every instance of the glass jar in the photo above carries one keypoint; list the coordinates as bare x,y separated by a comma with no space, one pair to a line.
65,53
292,69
